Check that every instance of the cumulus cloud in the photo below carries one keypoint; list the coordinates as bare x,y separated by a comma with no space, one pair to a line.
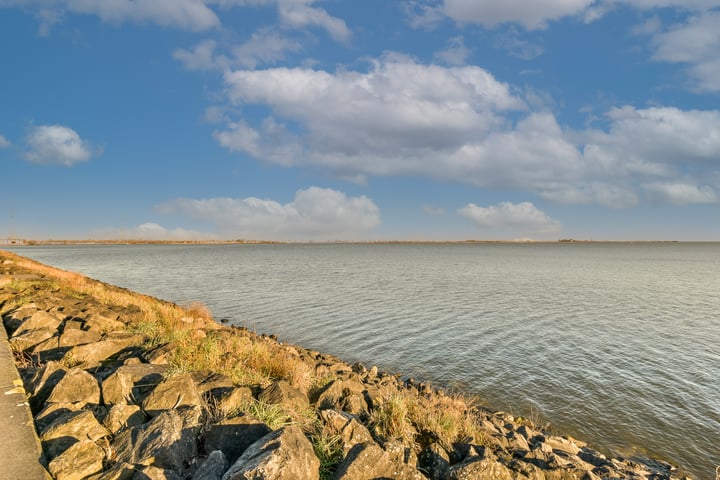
461,124
192,15
535,14
56,145
4,142
151,231
682,193
532,14
315,213
300,13
521,217
695,43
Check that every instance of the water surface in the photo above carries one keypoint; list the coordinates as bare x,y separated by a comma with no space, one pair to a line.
616,344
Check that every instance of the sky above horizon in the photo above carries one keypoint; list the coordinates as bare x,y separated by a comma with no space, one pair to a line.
360,120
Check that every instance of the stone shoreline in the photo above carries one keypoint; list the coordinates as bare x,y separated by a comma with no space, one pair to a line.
124,386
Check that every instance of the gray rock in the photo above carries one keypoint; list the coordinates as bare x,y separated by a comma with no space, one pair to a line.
284,453
38,320
119,471
482,467
72,337
213,467
351,431
79,461
69,429
369,461
434,461
282,392
131,383
345,395
229,401
165,441
233,436
174,392
30,338
155,473
13,318
77,386
123,416
42,383
94,353
52,412
103,324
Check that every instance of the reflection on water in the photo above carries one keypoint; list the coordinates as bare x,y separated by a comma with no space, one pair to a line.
617,344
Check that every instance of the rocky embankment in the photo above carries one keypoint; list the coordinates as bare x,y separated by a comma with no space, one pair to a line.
124,386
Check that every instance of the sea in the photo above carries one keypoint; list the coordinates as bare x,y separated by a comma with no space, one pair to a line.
616,344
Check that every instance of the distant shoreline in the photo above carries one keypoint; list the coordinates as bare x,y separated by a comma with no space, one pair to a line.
27,242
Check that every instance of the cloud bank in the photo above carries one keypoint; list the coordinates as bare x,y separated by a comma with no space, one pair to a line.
522,218
315,213
461,124
151,231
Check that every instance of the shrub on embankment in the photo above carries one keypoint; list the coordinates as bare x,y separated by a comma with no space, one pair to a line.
127,386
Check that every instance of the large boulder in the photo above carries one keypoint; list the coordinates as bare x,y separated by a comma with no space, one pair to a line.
345,395
434,461
174,392
233,436
28,339
347,426
72,337
78,462
69,429
483,466
213,468
284,453
281,392
369,461
38,320
229,401
77,386
99,323
14,317
123,416
166,442
131,383
94,353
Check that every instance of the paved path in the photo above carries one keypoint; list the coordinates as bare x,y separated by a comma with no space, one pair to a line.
20,451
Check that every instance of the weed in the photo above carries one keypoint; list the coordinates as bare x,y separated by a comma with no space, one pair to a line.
329,450
390,419
274,416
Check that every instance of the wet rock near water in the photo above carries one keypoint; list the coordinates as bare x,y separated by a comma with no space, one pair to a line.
110,405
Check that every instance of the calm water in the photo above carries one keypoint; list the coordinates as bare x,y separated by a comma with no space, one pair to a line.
615,344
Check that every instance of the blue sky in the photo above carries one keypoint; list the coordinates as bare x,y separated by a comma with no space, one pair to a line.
367,120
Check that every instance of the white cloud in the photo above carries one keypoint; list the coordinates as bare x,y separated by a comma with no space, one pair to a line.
682,193
4,142
192,15
315,213
535,14
455,54
56,145
461,124
150,231
201,57
522,217
420,14
47,18
299,14
697,44
265,46
532,14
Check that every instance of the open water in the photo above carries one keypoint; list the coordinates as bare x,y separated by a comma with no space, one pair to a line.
615,344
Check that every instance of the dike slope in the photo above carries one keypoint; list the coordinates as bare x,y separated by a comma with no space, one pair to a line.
126,386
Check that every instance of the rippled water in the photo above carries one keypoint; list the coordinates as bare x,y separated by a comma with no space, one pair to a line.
616,344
